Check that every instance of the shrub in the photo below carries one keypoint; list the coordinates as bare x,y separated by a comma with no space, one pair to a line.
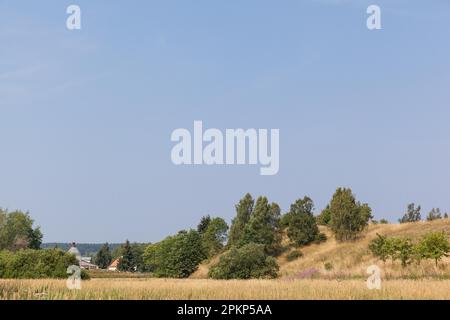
294,255
328,266
249,261
321,237
36,264
384,221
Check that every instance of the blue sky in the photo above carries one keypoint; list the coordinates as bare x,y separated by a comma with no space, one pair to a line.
86,116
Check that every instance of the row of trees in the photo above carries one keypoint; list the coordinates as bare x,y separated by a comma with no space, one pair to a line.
249,249
413,214
433,245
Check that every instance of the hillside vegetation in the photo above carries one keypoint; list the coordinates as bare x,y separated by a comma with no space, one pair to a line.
338,260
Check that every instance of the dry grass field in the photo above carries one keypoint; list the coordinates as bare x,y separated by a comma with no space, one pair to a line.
330,270
198,289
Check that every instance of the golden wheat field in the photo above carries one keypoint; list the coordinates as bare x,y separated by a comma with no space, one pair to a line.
193,289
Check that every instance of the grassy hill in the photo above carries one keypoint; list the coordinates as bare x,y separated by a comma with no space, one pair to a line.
337,260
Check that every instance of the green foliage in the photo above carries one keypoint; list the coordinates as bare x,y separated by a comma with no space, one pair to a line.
126,261
244,210
36,264
380,247
324,218
301,224
262,227
204,223
17,232
348,217
384,221
214,236
103,258
434,245
412,214
176,256
404,250
434,214
321,237
328,266
294,255
446,215
247,262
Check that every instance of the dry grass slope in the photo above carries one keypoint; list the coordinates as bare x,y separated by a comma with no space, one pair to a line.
351,259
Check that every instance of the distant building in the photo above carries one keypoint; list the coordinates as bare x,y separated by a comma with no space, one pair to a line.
114,265
84,262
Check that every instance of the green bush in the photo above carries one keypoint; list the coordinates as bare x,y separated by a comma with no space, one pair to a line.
248,262
328,266
321,237
36,264
176,256
294,255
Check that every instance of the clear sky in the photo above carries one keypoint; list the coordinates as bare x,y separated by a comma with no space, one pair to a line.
86,116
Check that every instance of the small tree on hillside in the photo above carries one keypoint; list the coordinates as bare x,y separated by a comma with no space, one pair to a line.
324,218
434,246
380,247
404,250
348,217
434,214
446,215
103,257
244,210
412,214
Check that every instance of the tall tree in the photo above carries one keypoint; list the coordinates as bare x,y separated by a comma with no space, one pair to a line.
301,223
412,214
348,217
17,232
262,227
103,258
244,210
214,236
126,262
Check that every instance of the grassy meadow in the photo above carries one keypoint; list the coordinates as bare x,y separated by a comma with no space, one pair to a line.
199,289
330,270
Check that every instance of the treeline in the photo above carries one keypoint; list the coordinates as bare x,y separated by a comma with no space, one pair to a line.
248,248
86,249
433,245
